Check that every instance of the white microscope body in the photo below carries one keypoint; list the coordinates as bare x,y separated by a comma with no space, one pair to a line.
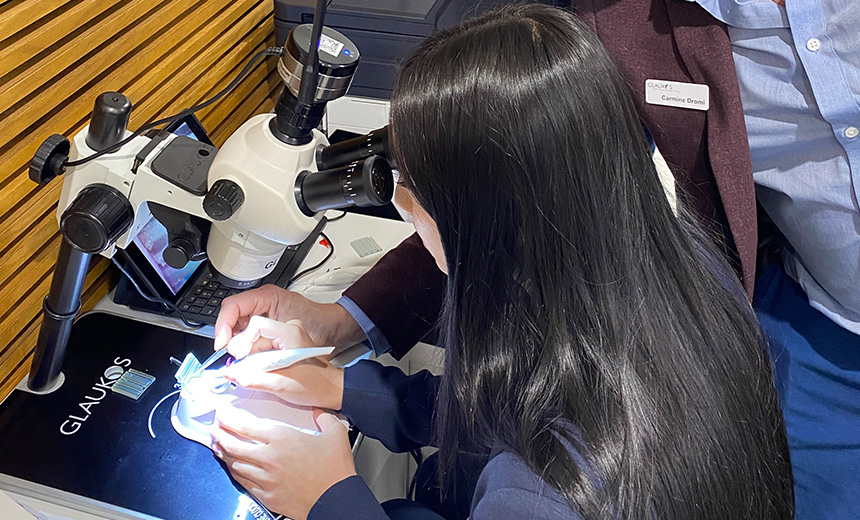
240,206
263,167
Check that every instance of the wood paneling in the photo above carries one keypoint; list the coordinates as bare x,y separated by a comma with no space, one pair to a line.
56,56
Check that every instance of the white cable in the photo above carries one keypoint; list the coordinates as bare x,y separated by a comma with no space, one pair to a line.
152,412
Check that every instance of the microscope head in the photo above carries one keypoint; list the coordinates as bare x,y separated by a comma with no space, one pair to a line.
272,179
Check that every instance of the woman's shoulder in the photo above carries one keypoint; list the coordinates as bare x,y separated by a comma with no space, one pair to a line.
508,488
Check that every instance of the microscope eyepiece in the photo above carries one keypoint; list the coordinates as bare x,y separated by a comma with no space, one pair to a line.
368,182
356,149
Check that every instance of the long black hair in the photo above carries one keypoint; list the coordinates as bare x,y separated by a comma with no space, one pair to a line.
580,314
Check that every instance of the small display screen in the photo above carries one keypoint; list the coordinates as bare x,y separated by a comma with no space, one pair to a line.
185,130
151,241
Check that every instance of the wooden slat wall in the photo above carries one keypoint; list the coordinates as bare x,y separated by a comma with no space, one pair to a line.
56,56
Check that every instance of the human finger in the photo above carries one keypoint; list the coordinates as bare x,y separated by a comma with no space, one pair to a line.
328,423
241,344
239,423
233,308
249,485
260,334
263,334
227,447
247,470
289,334
253,378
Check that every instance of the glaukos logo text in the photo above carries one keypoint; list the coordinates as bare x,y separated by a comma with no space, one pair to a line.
94,396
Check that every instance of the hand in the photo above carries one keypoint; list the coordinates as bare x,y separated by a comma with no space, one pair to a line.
311,382
286,470
326,324
262,334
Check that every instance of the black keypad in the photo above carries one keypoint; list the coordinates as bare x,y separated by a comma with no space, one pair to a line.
202,301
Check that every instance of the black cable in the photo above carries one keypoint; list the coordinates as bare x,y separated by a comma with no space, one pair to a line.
270,51
310,72
413,483
320,264
339,216
154,299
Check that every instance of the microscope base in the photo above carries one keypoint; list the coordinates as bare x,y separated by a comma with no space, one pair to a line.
89,449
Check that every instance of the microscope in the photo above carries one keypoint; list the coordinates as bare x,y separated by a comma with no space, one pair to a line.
239,206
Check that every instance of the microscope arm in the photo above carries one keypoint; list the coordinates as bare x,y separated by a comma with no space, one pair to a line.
271,160
100,208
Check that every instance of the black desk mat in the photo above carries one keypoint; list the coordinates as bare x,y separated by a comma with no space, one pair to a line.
110,456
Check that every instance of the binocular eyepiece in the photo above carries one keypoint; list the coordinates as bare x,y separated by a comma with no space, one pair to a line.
351,173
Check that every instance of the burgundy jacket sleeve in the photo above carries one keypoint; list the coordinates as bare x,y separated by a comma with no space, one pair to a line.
708,151
402,294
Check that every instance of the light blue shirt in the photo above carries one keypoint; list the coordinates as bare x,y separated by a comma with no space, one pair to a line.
375,338
798,69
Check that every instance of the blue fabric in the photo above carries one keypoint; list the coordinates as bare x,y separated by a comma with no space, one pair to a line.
389,406
456,503
404,509
507,488
799,98
375,337
347,500
817,367
396,409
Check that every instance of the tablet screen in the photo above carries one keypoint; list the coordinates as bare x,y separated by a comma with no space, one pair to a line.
151,241
185,130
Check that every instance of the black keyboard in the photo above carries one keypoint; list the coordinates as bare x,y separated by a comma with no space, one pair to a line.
202,301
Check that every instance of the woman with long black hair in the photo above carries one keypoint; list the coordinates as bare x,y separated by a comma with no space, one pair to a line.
596,345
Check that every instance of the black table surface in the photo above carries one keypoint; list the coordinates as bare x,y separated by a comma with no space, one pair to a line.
109,456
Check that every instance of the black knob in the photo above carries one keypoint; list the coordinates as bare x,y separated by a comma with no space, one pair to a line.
99,215
49,159
223,200
178,253
109,121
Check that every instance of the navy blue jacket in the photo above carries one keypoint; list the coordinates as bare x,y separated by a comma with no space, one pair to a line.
386,404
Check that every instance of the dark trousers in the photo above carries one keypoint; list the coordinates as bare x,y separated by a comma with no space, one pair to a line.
817,368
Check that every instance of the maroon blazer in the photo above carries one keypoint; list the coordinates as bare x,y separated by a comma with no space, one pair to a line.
708,151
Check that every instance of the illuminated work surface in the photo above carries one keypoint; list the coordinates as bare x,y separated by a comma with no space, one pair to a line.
107,465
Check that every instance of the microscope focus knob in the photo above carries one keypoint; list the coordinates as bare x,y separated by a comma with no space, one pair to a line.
48,161
223,200
97,217
177,253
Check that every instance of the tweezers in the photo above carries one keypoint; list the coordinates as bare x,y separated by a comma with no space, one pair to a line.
212,359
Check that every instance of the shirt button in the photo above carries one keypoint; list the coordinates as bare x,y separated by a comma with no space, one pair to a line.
851,132
813,44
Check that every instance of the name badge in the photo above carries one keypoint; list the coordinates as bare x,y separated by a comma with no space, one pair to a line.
676,94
